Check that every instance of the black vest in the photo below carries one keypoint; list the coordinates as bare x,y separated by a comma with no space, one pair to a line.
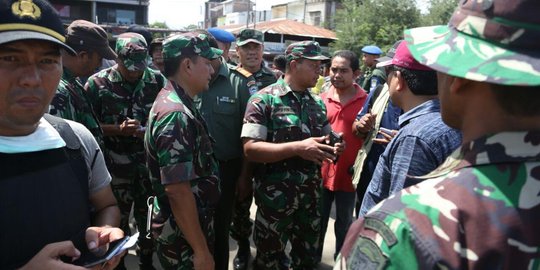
43,198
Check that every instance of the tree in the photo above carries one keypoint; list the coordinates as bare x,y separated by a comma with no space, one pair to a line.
378,22
161,25
439,12
191,27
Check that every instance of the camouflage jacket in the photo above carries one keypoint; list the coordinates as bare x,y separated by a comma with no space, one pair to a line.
179,147
70,102
277,114
114,100
479,210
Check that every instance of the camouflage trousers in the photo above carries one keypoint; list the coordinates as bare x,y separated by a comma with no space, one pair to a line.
287,212
173,250
241,225
134,192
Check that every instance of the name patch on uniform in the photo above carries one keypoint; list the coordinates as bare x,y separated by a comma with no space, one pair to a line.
380,227
227,99
284,110
366,255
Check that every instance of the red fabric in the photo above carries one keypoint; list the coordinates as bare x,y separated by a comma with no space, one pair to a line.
336,177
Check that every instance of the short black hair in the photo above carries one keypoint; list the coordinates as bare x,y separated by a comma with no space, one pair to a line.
280,61
421,82
518,100
350,56
141,30
171,65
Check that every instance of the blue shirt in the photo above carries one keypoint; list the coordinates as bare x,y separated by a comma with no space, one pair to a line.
389,120
421,145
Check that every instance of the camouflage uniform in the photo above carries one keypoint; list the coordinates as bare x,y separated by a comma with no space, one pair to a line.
241,223
114,100
180,148
480,209
287,193
424,226
70,102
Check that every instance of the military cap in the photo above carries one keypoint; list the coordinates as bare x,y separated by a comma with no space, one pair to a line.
403,58
495,41
249,35
191,44
389,55
132,50
305,49
27,19
372,49
221,35
85,34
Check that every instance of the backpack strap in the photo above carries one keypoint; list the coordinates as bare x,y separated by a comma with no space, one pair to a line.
376,94
65,131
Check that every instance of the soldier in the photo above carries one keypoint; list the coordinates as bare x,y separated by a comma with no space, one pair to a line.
251,72
480,210
70,102
122,96
284,127
155,50
222,108
55,199
180,154
372,76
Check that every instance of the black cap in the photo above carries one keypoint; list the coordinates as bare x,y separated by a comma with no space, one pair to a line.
27,19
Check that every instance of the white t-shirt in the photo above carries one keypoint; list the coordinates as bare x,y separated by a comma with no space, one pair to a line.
46,137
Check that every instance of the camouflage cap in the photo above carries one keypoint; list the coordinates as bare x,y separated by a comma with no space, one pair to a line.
305,49
189,44
249,35
132,50
495,41
27,19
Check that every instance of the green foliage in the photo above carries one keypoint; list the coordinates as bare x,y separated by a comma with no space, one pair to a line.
191,27
378,22
161,25
439,12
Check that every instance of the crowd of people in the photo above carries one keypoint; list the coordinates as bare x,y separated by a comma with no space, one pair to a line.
431,146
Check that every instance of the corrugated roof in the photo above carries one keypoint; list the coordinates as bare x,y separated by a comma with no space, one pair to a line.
285,27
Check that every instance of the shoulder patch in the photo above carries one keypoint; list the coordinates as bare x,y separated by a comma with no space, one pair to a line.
244,72
381,228
366,255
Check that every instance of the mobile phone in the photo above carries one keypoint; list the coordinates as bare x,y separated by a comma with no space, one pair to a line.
90,259
334,138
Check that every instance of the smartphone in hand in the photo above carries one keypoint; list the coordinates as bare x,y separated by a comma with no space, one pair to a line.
90,259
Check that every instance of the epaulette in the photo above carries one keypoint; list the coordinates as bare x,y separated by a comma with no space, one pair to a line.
244,72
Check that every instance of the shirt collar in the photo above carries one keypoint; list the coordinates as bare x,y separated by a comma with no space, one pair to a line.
429,106
359,93
284,89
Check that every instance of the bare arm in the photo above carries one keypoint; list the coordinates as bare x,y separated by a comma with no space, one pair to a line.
107,211
311,149
185,213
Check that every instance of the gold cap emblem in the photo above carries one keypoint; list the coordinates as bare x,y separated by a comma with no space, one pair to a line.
26,8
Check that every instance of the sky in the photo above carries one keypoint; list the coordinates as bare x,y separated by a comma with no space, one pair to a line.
181,13
178,14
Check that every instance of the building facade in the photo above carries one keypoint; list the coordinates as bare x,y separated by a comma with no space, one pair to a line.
104,12
313,12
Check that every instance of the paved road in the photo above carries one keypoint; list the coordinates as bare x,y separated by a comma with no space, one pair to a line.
327,259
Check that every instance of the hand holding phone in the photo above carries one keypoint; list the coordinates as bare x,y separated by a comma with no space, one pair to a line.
89,258
334,138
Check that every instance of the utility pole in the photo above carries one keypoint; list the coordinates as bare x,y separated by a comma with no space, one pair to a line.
304,15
